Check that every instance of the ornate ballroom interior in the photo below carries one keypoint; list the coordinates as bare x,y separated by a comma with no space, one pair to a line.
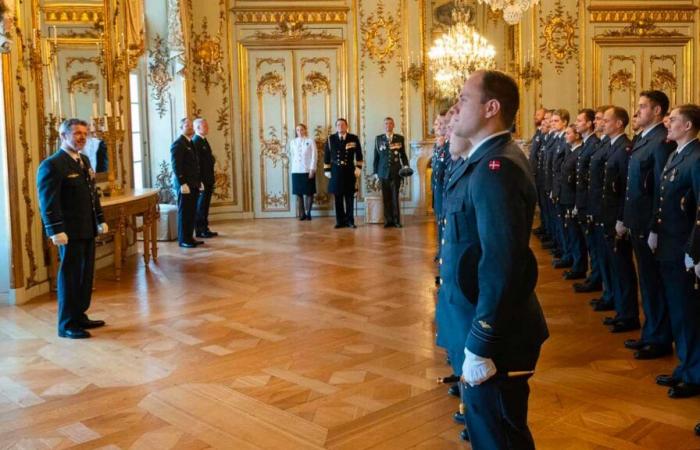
254,69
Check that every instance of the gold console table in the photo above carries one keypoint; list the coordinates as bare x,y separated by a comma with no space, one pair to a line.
120,214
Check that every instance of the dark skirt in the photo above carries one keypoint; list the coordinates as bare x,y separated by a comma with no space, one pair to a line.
302,184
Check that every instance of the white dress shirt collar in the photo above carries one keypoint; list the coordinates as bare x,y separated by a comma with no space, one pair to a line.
480,143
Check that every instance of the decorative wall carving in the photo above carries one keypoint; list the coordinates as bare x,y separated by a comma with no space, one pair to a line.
622,14
74,13
292,31
207,55
159,74
380,37
83,60
558,37
83,82
640,29
6,24
328,14
176,38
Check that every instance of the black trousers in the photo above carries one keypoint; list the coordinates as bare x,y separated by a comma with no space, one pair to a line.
203,203
186,211
75,275
344,213
391,189
496,414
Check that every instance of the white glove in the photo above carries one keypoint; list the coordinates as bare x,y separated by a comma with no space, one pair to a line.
574,212
697,270
476,369
689,264
327,173
620,228
102,228
376,177
653,241
185,189
201,186
59,239
358,172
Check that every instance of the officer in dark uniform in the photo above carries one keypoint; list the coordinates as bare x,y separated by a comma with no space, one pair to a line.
187,182
438,163
549,152
547,236
342,163
649,155
584,126
673,225
72,216
567,200
389,157
596,176
559,122
493,268
206,170
624,276
536,144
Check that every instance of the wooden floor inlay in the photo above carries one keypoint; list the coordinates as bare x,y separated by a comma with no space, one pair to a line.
282,334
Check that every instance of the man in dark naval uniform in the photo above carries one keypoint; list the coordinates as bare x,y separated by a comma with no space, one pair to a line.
389,157
671,236
72,216
496,316
438,164
188,183
649,155
342,163
206,169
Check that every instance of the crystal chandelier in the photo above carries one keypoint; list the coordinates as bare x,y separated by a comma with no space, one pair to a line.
458,52
512,9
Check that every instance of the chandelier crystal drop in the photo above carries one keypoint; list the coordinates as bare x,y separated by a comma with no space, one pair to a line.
513,10
459,52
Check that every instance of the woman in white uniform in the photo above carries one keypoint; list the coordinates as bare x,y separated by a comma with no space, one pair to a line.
302,153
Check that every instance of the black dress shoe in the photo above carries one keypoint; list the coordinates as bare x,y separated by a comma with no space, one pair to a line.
587,287
210,234
351,225
560,264
398,225
546,245
437,281
667,380
74,333
388,225
187,244
603,306
635,344
653,351
453,390
684,390
571,275
697,430
89,324
594,301
464,435
458,418
337,225
557,254
610,321
623,326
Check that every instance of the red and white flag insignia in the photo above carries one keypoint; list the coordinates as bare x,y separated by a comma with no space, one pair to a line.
495,165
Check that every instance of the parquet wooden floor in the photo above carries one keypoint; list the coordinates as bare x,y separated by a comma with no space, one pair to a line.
282,334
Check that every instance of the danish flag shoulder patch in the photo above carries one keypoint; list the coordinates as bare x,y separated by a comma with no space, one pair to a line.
495,165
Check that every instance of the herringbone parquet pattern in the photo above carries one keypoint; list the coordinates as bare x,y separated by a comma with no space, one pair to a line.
282,334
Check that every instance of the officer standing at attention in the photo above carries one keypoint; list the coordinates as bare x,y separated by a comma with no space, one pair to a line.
559,122
389,158
438,162
670,233
536,144
649,155
498,319
188,183
342,163
72,216
624,275
585,125
206,168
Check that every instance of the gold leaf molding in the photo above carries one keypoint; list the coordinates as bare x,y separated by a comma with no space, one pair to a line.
302,15
74,13
622,14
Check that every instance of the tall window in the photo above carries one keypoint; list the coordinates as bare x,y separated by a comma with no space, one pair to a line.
136,134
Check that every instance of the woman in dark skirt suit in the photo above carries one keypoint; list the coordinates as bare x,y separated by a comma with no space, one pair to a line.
302,154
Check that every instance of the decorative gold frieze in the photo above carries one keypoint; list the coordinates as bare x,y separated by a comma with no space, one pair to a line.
414,74
642,28
297,15
558,37
74,13
159,74
97,60
292,31
83,82
625,14
380,37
